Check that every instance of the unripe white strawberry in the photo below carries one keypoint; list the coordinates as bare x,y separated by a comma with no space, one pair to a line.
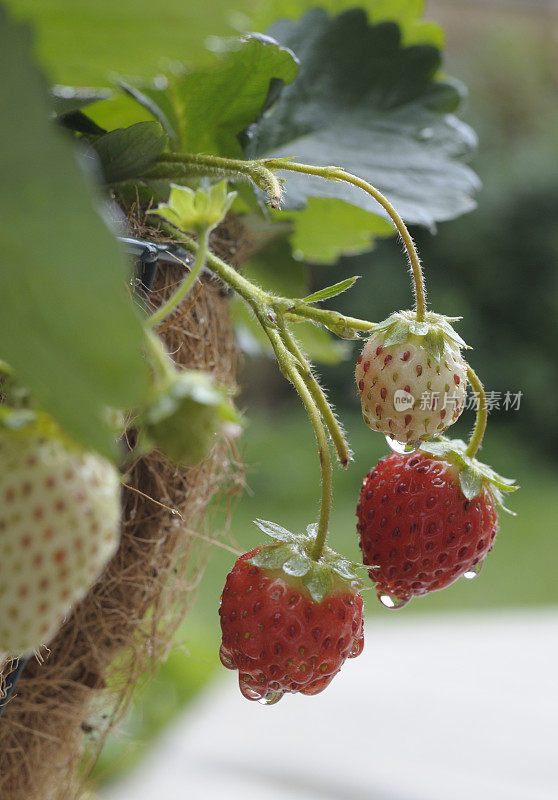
59,526
411,377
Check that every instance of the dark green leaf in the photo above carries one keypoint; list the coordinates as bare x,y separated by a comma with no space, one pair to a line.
68,326
206,110
81,123
364,102
407,14
331,291
127,152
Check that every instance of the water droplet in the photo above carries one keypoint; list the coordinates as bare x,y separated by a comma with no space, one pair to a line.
391,601
225,660
473,571
249,693
357,648
270,698
399,447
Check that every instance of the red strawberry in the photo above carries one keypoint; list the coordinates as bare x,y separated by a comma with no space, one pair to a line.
411,377
277,635
424,520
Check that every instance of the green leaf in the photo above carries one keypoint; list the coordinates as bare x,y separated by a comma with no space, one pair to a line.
88,41
68,326
327,229
206,110
330,291
363,101
127,152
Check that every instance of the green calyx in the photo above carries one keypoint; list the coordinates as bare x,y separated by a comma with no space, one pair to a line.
435,332
21,424
474,476
290,553
189,409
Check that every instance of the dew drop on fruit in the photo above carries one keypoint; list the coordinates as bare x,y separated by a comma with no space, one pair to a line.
225,660
391,601
473,571
400,448
357,648
249,693
270,698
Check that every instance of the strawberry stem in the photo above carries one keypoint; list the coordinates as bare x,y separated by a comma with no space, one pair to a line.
174,166
291,372
337,174
344,454
282,308
482,413
199,263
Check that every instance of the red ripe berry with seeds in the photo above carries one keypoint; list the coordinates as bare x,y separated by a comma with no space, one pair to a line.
278,637
411,377
418,530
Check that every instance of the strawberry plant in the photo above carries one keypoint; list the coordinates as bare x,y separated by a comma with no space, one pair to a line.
249,135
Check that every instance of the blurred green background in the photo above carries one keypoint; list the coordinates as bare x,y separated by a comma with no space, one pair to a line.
496,267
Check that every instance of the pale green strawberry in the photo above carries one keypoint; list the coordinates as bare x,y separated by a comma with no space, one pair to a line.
59,526
411,377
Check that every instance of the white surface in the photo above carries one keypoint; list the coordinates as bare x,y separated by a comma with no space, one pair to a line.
436,708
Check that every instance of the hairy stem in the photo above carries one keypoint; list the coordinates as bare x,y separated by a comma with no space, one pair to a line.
345,327
337,174
170,165
199,263
482,413
289,370
342,326
344,454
